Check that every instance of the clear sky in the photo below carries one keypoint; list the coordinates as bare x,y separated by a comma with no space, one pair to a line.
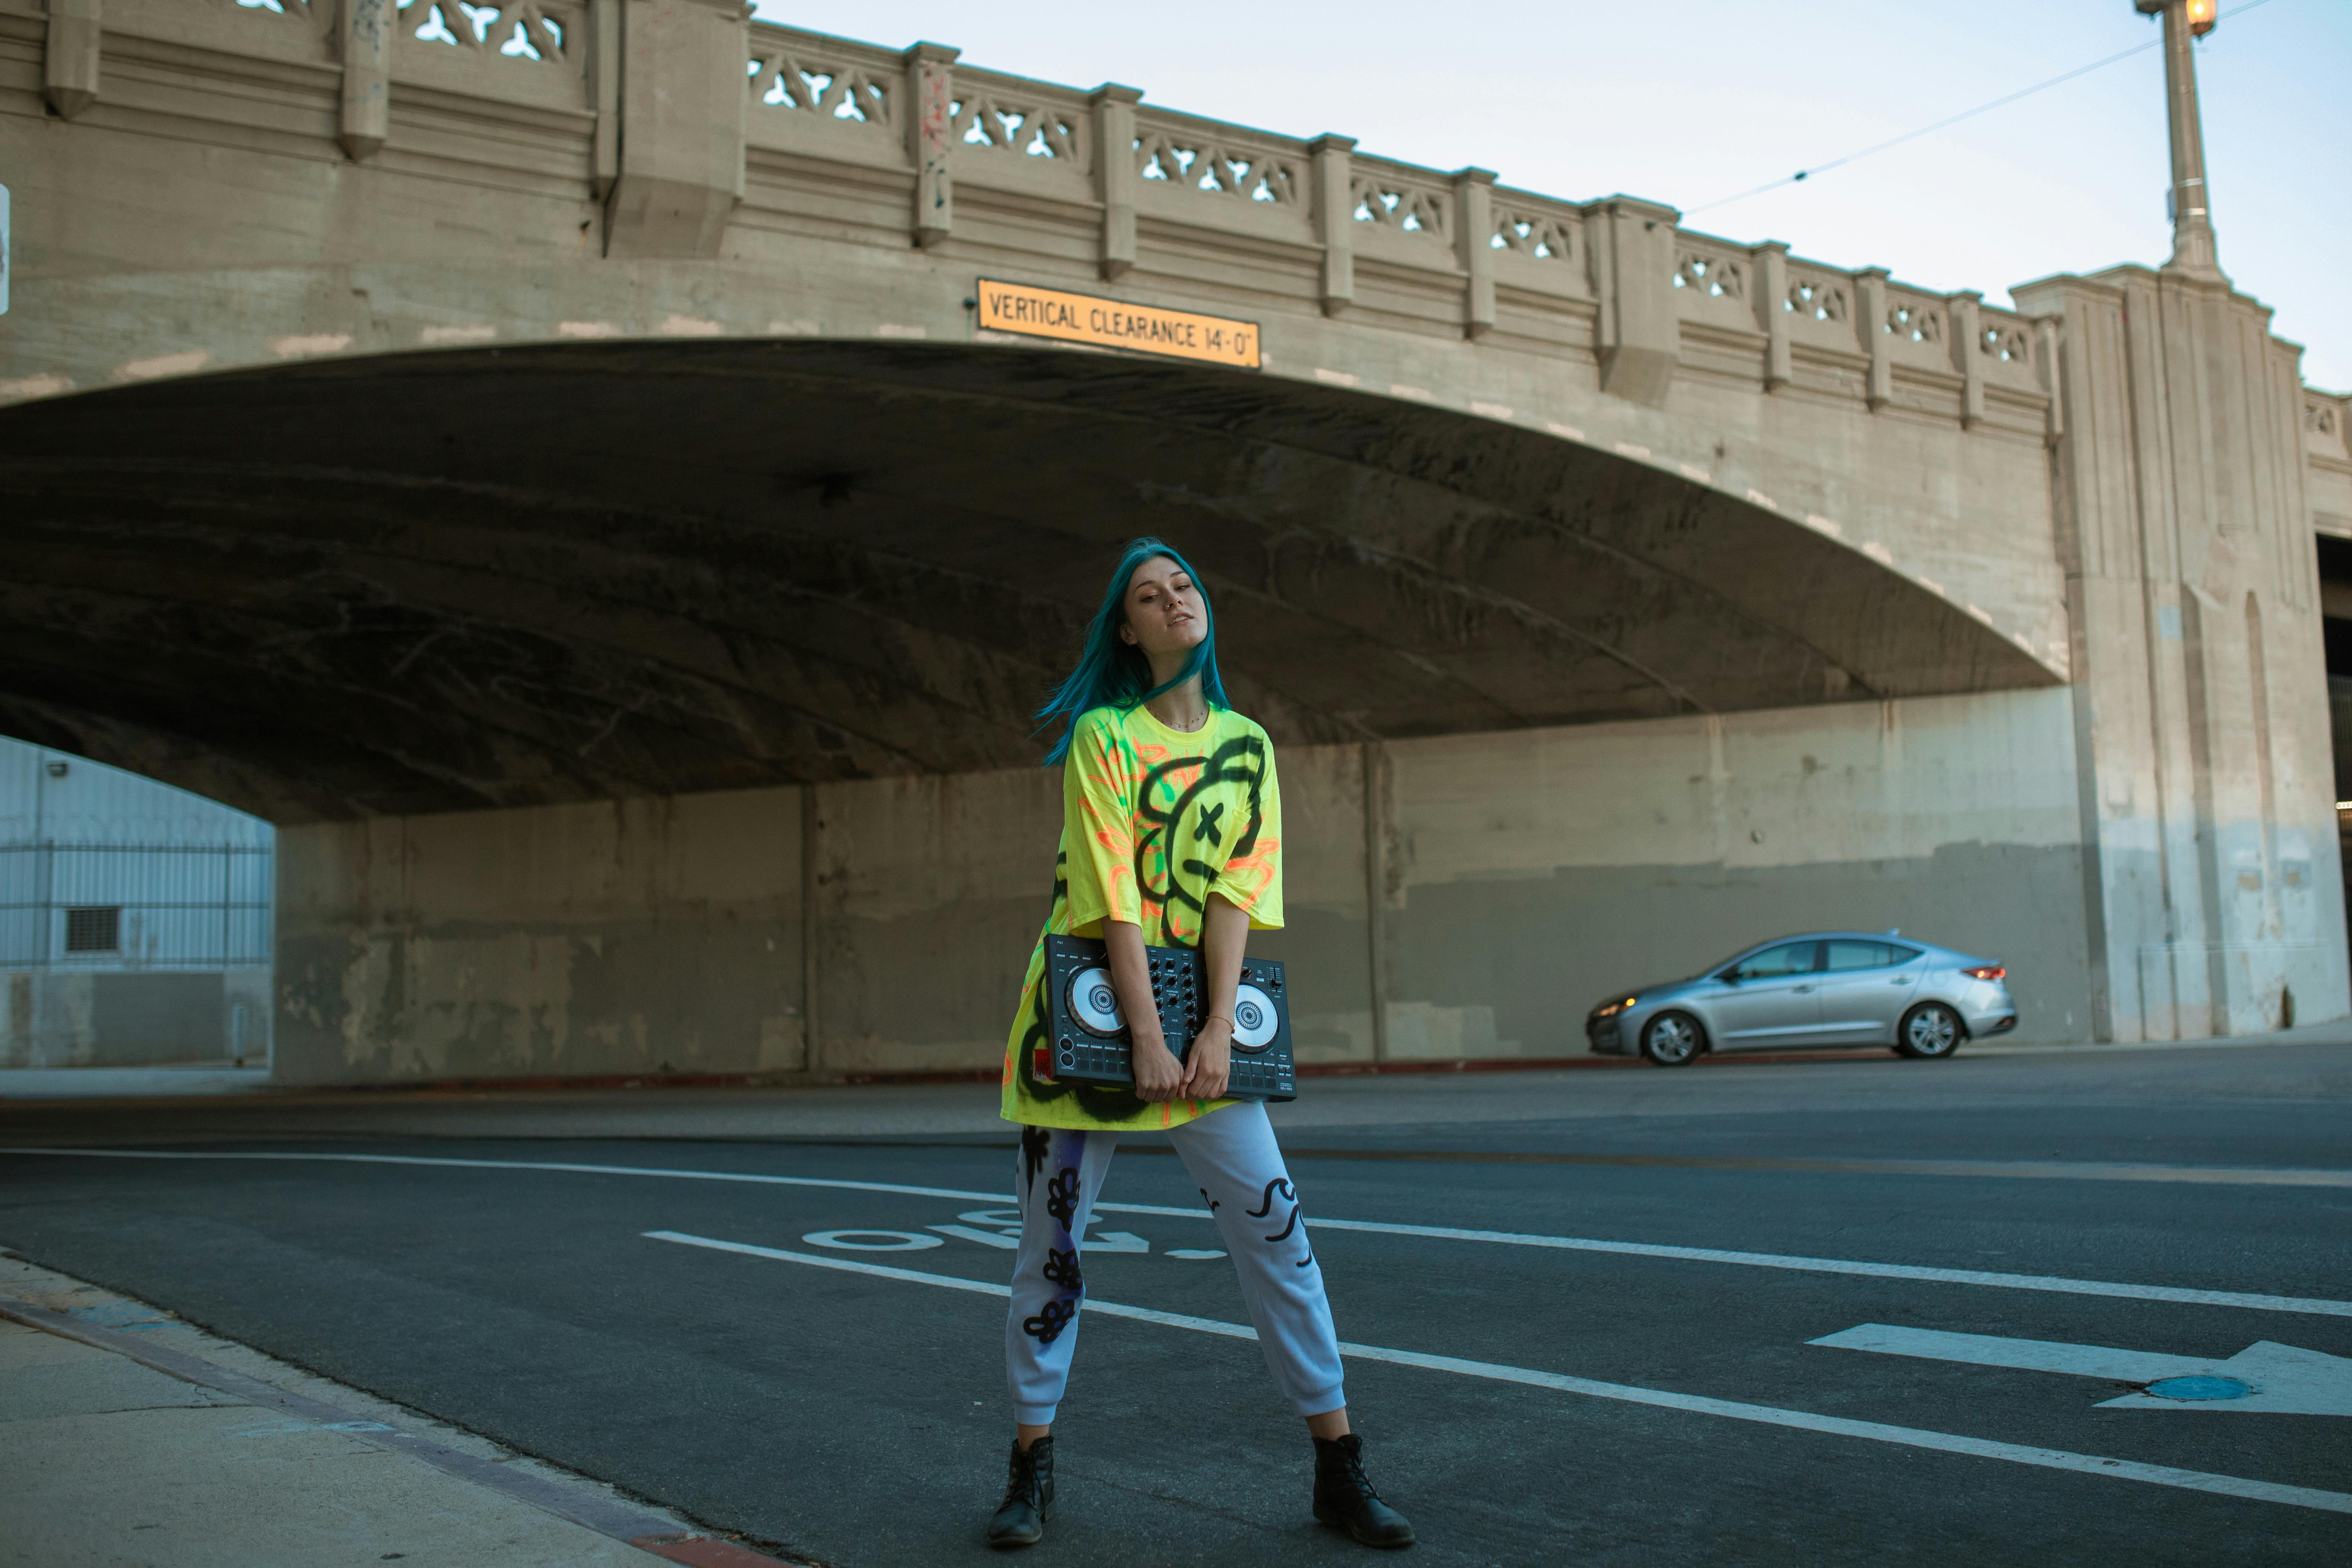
1687,101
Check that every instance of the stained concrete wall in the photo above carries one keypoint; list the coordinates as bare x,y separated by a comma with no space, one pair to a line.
649,936
1543,869
1520,876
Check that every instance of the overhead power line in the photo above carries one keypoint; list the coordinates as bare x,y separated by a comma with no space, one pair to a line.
1955,120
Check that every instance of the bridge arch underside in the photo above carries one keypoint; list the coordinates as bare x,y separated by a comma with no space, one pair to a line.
460,578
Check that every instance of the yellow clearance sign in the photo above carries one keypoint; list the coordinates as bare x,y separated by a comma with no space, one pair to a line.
1116,324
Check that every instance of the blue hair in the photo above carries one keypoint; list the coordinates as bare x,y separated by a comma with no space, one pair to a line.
1113,674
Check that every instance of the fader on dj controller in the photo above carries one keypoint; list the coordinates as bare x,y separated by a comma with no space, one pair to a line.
1090,1038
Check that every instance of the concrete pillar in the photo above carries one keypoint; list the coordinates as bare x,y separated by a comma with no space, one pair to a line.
1873,338
1968,354
70,74
681,154
1474,246
2199,679
1771,260
1335,218
367,29
1383,882
931,142
1116,175
605,53
1633,247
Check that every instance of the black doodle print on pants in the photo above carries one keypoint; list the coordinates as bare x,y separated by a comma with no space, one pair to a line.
1290,1194
1062,1268
1061,1196
1051,1320
1280,1183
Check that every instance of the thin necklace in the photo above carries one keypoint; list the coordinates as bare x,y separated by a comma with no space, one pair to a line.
1188,729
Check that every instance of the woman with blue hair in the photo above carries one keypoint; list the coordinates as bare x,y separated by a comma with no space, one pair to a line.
1172,836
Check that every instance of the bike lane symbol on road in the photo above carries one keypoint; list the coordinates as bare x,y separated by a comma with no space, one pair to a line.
2265,1377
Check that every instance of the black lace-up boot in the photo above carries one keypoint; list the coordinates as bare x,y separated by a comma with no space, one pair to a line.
1345,1500
1028,1496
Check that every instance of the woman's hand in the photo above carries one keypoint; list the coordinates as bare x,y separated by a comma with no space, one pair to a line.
1209,1062
1158,1074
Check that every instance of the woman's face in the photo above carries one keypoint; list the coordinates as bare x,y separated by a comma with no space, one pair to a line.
1165,612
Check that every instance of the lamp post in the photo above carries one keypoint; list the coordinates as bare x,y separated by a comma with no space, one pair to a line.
2186,21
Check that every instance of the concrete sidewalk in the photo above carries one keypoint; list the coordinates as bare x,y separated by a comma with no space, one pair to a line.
128,1438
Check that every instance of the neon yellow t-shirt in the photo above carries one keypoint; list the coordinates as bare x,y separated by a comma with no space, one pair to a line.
1153,821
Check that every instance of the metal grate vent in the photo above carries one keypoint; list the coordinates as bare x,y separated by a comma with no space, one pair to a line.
94,929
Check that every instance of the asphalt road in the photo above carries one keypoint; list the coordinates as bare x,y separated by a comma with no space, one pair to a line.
1522,1401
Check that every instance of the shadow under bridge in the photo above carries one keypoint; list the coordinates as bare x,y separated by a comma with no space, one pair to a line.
457,579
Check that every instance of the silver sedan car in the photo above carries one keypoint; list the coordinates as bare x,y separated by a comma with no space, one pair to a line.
1831,988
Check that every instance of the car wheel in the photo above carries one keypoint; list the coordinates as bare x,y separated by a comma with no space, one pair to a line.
1928,1031
1673,1039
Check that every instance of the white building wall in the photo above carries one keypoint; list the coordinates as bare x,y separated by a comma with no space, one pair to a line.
187,977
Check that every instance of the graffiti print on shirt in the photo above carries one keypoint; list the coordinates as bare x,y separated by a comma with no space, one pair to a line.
1174,884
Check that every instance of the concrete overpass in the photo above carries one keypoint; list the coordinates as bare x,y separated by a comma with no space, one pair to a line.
556,469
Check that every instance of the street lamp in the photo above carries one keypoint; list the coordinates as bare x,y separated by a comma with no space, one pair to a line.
2185,21
2200,14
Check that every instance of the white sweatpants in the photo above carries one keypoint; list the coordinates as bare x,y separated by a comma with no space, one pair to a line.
1237,1166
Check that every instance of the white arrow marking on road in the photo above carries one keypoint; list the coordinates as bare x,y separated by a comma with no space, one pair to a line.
2282,1380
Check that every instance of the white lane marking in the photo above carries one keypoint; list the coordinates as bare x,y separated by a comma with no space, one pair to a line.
2318,1305
2286,1380
573,1166
1766,1414
2321,1305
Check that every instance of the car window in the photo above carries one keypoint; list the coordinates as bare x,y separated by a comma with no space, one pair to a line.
1861,954
1788,957
1898,954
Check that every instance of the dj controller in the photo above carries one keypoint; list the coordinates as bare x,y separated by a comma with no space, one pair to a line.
1091,1040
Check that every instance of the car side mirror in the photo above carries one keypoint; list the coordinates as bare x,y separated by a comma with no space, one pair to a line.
1730,976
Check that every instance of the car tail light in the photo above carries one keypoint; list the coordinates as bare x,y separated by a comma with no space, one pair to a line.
1986,972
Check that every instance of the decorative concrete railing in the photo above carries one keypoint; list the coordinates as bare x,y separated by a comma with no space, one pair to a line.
910,146
1656,294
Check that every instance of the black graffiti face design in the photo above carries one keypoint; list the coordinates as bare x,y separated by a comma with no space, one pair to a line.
1175,885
